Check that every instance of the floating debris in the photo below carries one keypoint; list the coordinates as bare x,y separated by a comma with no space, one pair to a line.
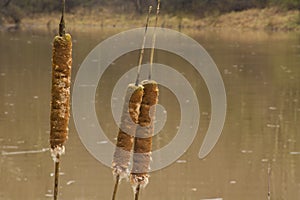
49,195
247,151
273,125
283,67
181,161
70,182
9,147
4,153
86,85
288,71
227,72
102,142
291,140
60,173
272,108
295,153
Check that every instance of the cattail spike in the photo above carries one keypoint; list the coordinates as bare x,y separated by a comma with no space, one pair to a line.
60,100
143,137
125,138
60,96
129,121
62,26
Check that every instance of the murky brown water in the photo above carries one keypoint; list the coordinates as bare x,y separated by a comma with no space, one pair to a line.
262,79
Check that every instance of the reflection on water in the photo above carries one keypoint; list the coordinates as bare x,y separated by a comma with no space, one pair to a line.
262,78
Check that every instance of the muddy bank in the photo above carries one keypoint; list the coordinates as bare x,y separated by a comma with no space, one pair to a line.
270,19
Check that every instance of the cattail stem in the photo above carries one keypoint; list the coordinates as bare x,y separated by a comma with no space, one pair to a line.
269,182
116,187
154,39
56,177
137,192
143,47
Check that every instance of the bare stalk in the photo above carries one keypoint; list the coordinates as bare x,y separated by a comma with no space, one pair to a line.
143,48
269,182
116,187
154,40
137,192
56,178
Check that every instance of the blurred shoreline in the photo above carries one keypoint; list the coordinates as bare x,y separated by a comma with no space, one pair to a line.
268,19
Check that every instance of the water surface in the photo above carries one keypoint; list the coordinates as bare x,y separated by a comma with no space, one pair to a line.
262,78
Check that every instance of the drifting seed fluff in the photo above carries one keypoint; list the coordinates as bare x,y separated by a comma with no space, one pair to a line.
143,135
60,94
129,121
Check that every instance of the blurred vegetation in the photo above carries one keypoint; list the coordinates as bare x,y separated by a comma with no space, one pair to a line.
15,9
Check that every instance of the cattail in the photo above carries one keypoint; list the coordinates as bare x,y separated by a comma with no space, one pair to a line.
143,137
60,95
61,80
129,121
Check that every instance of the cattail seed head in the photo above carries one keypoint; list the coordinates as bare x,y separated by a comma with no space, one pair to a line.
129,121
143,136
60,93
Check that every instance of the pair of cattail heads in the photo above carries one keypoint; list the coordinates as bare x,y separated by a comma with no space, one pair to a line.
135,133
